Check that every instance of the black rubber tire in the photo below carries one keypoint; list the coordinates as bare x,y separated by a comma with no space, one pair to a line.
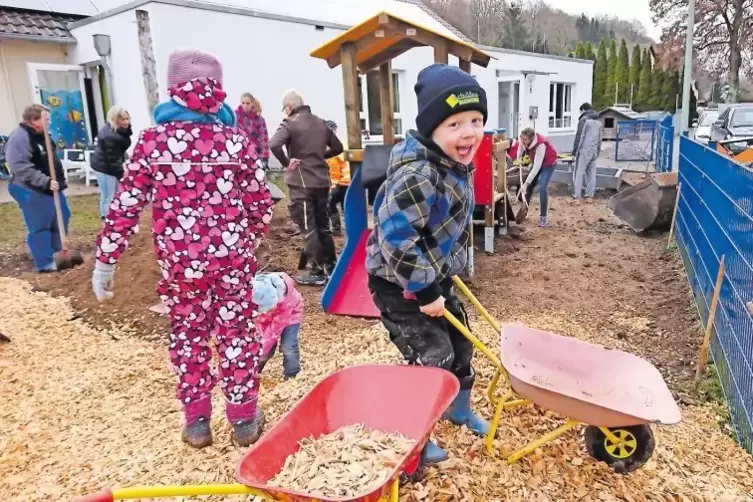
596,444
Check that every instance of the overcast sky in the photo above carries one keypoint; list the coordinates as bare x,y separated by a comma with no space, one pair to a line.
625,9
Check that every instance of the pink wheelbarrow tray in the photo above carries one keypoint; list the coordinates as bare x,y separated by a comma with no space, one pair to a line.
616,394
393,398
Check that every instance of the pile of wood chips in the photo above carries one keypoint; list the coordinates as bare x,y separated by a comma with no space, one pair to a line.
349,462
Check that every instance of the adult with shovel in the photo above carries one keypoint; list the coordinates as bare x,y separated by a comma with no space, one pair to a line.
37,184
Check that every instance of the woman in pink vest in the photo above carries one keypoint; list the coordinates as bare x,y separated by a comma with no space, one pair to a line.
543,159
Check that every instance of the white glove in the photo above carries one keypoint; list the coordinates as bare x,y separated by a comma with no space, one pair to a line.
103,280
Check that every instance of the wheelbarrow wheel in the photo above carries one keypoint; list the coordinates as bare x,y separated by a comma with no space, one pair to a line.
634,449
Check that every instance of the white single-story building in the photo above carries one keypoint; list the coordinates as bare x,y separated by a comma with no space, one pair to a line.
265,48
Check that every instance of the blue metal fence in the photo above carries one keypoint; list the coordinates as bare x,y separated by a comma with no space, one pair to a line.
715,219
665,145
635,140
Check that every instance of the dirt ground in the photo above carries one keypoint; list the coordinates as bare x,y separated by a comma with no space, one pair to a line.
99,410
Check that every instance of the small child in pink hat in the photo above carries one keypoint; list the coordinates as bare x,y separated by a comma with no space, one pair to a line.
210,207
280,308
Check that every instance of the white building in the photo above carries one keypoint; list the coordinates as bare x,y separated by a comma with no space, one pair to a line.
264,46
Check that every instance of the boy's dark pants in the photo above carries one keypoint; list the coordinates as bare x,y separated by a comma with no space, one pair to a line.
424,340
309,209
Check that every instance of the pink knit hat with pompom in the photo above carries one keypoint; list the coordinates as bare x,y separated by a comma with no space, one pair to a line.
187,64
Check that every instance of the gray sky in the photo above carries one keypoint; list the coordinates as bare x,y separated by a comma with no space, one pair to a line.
624,9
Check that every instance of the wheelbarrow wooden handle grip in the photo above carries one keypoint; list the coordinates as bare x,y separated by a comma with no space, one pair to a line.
55,194
103,496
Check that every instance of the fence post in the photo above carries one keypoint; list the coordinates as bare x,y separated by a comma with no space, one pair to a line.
704,352
674,216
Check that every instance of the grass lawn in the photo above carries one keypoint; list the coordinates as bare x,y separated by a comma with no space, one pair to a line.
83,228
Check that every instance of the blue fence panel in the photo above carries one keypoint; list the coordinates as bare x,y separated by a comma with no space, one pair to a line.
665,145
635,140
715,219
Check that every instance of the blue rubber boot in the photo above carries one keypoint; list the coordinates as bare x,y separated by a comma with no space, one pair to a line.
432,454
460,413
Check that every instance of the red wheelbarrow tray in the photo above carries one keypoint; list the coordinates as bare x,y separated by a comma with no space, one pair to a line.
585,382
390,398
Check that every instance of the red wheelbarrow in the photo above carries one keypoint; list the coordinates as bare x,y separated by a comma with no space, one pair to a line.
616,394
393,398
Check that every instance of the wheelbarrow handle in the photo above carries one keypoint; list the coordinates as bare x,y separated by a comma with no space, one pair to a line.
477,304
147,492
472,338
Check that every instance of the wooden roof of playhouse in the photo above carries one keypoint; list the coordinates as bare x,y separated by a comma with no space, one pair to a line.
385,36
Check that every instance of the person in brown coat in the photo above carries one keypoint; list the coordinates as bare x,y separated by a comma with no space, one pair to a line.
302,144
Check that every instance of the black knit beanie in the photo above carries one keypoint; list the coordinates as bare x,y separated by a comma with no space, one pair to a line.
444,90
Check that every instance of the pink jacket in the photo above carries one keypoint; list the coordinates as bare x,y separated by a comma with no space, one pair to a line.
210,202
287,313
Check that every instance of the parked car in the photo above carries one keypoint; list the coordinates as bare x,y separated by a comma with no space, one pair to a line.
702,128
735,121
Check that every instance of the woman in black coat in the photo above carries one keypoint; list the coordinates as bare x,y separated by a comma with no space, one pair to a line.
113,140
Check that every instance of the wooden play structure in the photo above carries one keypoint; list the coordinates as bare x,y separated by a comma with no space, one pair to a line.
371,46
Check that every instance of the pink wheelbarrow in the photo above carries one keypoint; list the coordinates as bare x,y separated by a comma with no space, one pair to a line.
616,394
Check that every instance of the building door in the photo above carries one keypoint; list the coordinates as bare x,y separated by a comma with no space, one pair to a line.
505,105
61,88
509,106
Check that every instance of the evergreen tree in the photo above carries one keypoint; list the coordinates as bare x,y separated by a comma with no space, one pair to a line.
545,47
622,73
656,101
635,71
611,74
516,34
645,86
668,91
600,76
590,51
580,50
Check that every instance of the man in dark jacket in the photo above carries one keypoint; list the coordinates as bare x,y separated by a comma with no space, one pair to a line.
309,142
32,187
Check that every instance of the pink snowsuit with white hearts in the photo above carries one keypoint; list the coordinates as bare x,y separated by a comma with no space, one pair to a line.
209,205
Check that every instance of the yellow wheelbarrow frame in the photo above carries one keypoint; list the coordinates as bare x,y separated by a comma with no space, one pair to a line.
508,399
149,492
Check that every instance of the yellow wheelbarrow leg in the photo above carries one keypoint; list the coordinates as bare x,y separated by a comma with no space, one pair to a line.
546,438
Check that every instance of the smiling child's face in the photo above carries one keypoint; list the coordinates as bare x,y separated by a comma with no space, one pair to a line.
459,136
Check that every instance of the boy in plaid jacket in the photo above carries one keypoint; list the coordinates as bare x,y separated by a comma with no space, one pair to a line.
421,213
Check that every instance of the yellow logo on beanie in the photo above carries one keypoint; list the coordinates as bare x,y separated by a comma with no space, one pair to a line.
464,98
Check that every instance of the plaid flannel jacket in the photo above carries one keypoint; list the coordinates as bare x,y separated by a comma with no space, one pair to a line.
421,217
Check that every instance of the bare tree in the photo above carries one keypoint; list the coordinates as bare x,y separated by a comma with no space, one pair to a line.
723,33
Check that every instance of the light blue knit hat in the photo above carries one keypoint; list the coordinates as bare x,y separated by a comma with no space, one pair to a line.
269,290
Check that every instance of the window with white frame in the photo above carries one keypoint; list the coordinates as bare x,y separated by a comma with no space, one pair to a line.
560,106
371,114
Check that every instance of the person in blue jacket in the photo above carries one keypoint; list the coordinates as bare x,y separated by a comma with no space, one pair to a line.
32,187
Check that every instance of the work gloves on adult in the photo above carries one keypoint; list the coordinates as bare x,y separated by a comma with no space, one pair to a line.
103,280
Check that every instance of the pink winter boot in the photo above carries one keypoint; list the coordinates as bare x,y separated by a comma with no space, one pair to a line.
197,432
247,421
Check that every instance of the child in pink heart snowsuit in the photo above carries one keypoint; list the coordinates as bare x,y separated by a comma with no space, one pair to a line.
210,207
280,308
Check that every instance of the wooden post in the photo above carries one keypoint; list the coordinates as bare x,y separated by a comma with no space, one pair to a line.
465,66
350,89
385,102
441,52
674,217
148,64
704,352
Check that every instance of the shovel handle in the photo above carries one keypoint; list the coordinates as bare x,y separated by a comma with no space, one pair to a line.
55,194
